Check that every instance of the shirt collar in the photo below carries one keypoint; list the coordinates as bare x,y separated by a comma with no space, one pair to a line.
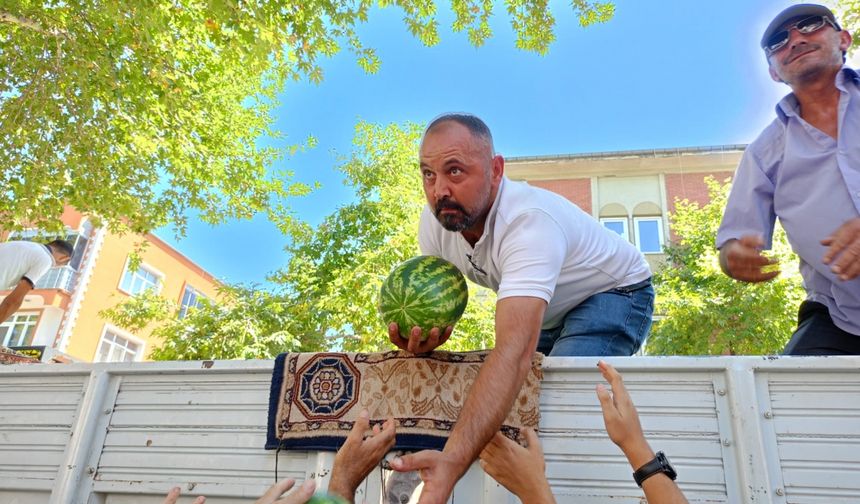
50,254
788,106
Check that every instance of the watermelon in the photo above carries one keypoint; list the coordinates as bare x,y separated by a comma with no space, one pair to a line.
424,291
324,498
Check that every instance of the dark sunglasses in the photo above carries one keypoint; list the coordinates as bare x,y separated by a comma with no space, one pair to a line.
807,25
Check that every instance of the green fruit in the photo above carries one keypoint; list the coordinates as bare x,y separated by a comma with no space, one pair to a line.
324,498
424,291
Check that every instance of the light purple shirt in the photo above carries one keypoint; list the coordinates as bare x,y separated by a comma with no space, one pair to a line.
812,183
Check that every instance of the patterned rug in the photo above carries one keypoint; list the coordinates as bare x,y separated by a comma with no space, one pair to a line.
9,356
316,397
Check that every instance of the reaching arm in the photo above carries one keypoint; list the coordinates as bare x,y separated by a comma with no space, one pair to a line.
13,301
518,321
624,429
359,455
522,470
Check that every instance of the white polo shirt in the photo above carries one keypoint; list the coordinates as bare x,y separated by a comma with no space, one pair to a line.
538,244
23,259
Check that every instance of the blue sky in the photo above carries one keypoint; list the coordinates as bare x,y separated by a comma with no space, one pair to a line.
661,73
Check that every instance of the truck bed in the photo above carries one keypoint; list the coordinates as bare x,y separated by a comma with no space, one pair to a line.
737,429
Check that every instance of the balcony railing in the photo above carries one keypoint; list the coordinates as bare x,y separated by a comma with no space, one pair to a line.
61,277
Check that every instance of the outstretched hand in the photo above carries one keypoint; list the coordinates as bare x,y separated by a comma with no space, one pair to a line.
360,454
299,496
521,470
173,496
742,260
621,418
843,250
438,473
272,496
414,344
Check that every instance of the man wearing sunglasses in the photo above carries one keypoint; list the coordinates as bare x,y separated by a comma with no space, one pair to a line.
805,169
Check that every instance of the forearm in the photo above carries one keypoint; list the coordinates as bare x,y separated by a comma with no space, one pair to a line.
10,305
489,401
541,493
340,487
659,488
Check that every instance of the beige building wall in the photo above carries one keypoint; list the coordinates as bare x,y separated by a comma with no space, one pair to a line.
67,301
631,185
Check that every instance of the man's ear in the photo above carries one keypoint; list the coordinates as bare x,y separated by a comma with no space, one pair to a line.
845,39
498,167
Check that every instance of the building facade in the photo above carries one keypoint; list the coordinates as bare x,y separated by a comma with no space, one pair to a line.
62,312
631,192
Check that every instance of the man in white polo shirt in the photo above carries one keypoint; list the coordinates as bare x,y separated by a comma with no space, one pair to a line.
22,264
566,285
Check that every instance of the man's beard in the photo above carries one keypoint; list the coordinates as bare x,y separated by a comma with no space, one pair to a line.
811,70
456,222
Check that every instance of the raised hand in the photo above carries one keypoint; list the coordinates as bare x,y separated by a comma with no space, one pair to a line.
173,496
622,419
361,452
437,472
521,470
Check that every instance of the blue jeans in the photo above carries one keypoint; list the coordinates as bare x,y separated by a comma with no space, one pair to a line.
615,322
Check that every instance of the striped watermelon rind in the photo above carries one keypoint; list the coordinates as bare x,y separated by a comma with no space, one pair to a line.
425,291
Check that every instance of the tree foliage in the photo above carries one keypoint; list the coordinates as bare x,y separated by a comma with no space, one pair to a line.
244,323
848,13
142,112
706,312
328,290
139,311
338,267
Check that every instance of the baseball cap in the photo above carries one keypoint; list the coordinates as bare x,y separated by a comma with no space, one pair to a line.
795,11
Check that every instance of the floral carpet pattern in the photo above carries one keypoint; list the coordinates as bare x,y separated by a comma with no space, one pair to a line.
316,397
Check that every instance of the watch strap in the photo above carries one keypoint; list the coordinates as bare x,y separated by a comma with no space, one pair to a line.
659,464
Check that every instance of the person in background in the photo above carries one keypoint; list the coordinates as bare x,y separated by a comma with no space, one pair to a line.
362,451
522,470
805,169
22,264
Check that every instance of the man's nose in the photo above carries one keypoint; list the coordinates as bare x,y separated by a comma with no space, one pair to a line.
441,189
795,38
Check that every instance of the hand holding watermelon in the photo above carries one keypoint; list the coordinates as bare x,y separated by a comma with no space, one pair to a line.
425,295
417,342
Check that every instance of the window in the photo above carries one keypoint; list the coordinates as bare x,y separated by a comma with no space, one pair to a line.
190,299
135,282
617,224
649,234
18,329
116,348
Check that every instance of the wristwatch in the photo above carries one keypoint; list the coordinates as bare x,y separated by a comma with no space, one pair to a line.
660,464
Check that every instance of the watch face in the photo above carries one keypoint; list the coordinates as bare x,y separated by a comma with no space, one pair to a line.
666,466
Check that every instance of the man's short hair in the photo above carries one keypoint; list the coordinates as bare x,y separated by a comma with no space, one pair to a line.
473,123
63,246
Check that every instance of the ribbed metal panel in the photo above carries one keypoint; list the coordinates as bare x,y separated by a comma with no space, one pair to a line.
741,430
678,414
36,417
816,418
200,430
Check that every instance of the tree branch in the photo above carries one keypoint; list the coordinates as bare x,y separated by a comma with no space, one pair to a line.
7,17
